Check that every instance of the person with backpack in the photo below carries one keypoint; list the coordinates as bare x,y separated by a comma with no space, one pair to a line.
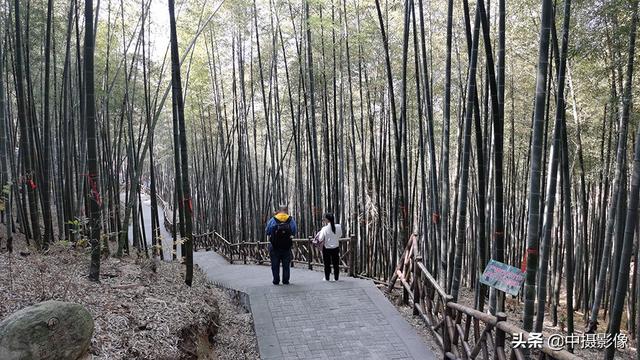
329,236
281,228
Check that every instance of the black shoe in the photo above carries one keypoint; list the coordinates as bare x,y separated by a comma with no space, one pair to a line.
285,283
275,282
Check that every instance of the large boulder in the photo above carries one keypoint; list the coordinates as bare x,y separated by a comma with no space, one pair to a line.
48,330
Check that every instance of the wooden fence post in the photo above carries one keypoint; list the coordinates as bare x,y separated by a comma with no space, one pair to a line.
500,335
352,255
244,254
405,292
293,245
310,256
416,285
446,340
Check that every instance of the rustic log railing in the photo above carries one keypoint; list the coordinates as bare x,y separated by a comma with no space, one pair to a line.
167,223
216,242
460,331
303,251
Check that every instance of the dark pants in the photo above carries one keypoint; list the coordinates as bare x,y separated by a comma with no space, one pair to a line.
331,257
280,256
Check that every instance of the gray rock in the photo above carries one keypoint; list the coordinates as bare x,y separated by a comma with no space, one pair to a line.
48,330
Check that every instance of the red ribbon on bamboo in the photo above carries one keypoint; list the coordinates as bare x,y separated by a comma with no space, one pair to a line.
93,186
188,203
435,217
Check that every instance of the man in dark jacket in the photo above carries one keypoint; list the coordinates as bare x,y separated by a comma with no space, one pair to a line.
281,228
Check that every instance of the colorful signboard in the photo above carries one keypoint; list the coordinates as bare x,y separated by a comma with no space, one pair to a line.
503,277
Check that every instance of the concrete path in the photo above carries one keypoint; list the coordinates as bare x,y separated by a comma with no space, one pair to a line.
314,319
167,238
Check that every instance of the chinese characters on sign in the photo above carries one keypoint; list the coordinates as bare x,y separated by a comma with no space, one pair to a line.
559,341
502,277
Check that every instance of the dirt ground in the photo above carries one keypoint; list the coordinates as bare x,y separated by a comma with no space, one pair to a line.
142,309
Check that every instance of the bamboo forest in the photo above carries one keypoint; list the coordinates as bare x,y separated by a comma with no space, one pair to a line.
482,159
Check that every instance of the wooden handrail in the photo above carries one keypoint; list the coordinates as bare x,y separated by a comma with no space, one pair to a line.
247,243
221,238
484,317
345,239
427,274
296,240
256,251
451,323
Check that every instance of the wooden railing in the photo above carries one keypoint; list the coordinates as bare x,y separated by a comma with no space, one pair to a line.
216,242
460,331
303,251
167,224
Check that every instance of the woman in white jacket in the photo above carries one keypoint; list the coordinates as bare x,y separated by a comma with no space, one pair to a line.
328,236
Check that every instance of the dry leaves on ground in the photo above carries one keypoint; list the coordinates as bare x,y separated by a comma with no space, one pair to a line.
138,313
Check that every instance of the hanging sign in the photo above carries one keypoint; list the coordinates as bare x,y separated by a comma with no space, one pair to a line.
503,277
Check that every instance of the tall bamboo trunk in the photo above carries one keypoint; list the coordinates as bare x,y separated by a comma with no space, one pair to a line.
463,183
45,173
186,189
533,229
400,198
26,146
7,186
634,194
311,125
93,177
552,185
434,205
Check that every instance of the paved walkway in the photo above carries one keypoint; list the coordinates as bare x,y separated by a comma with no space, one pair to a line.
314,319
167,238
